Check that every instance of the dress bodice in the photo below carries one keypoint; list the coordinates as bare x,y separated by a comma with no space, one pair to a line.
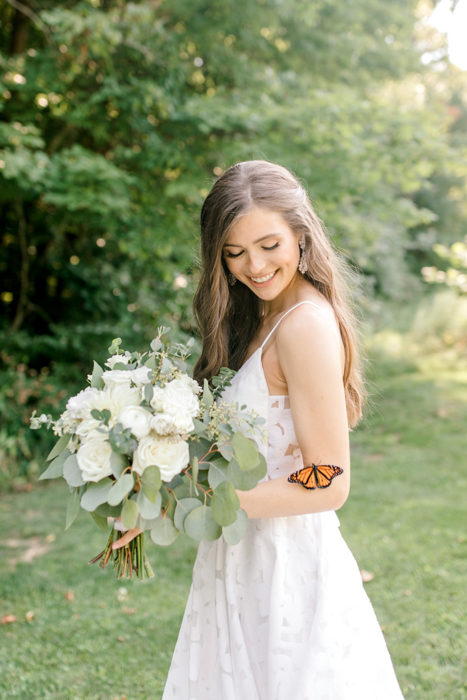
249,388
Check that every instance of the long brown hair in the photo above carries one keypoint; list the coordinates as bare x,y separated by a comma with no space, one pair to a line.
229,316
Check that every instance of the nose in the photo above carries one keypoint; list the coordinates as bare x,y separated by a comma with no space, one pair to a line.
256,264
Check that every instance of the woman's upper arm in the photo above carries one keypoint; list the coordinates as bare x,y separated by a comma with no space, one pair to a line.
309,353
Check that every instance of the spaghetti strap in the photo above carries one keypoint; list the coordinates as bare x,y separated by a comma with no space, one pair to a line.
306,301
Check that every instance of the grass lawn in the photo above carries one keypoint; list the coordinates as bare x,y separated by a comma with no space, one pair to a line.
79,633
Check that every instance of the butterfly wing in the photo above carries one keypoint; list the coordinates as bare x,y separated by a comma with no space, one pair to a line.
315,476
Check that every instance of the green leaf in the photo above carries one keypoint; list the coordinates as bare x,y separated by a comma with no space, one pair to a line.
226,450
55,468
114,347
147,508
224,504
237,530
96,494
200,524
246,480
106,511
163,532
151,482
184,506
129,514
198,448
100,521
195,469
246,451
72,472
72,508
96,378
217,472
207,395
59,446
151,362
117,463
120,489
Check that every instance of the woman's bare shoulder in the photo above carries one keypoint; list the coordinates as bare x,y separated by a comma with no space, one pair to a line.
308,334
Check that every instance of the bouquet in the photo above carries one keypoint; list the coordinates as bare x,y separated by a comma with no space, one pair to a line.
144,449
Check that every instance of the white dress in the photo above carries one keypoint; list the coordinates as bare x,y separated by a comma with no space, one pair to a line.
282,615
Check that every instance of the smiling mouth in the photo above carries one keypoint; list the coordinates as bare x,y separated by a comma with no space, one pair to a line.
265,278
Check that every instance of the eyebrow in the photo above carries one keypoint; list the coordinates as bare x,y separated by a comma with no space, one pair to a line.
258,240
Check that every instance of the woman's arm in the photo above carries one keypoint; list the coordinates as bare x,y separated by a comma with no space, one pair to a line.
308,347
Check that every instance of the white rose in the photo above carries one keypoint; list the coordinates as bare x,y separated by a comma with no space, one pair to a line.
78,405
117,377
176,399
169,454
141,375
163,424
116,359
94,459
137,419
192,384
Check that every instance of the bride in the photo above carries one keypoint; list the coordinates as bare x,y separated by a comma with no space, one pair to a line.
282,615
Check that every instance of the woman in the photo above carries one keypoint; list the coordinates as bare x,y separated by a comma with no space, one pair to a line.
283,614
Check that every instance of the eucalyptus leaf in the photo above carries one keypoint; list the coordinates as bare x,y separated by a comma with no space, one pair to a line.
199,448
117,463
95,494
163,532
151,482
72,472
237,530
96,378
55,468
224,504
106,511
246,451
200,524
195,469
72,508
100,521
129,514
120,489
59,446
217,473
245,480
184,506
207,395
226,450
147,508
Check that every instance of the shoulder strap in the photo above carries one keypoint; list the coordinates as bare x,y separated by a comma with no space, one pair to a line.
284,315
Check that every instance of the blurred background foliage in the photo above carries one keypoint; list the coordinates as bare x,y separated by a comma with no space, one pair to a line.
115,117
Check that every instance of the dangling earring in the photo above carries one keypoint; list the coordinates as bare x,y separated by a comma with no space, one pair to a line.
232,279
302,264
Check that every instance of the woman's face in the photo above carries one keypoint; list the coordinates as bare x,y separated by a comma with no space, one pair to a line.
262,252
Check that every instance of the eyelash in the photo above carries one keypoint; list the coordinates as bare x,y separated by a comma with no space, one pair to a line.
236,255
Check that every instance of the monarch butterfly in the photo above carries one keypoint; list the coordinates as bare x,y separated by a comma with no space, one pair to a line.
318,476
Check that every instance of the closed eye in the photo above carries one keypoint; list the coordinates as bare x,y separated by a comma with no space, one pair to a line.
228,254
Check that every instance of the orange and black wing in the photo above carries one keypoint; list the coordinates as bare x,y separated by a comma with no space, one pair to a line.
317,476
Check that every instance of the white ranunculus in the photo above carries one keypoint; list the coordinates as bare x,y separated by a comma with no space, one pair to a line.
137,419
94,459
162,424
169,454
176,399
88,428
114,399
78,405
117,359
